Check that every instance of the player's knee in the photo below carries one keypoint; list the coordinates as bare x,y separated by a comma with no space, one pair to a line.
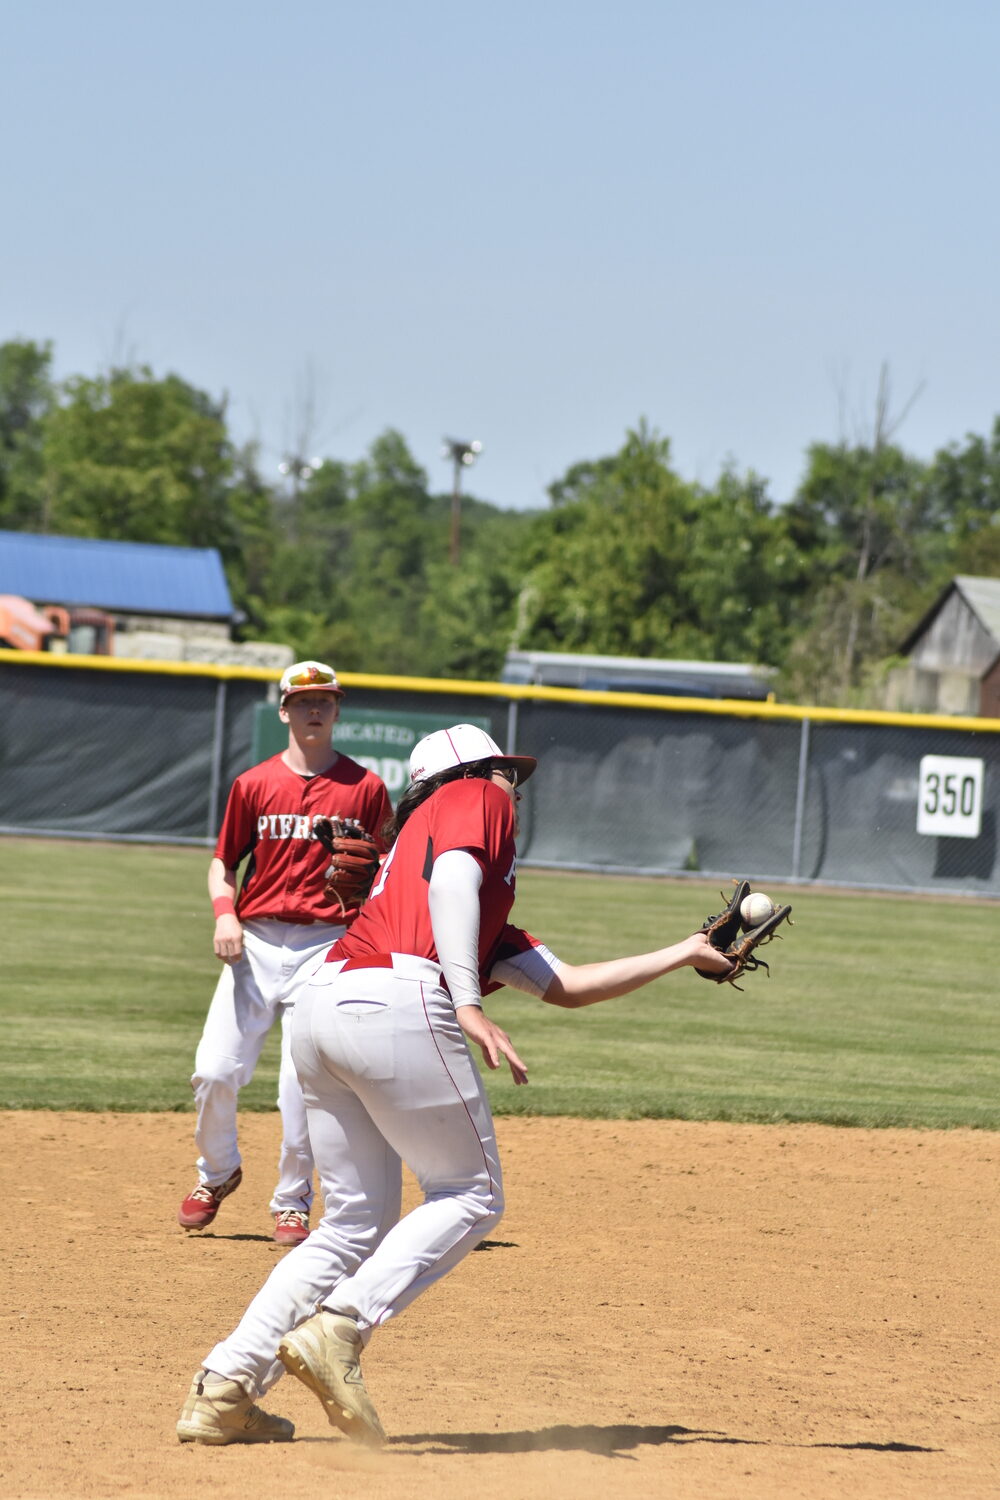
480,1205
348,1244
360,1242
492,1219
490,1207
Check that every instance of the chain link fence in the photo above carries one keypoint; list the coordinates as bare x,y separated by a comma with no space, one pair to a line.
146,752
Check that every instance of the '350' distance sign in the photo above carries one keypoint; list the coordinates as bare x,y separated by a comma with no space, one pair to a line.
950,801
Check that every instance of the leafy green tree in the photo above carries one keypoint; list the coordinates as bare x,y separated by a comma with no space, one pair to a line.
867,527
360,575
412,612
581,479
129,457
351,561
311,551
633,561
371,532
250,536
345,576
467,613
860,510
392,514
742,576
881,533
27,395
965,481
598,561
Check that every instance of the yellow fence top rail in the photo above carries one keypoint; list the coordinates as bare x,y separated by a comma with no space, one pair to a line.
514,692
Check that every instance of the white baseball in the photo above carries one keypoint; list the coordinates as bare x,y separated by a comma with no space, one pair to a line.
755,908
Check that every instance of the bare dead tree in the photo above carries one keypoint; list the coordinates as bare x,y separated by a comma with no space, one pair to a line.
308,429
884,427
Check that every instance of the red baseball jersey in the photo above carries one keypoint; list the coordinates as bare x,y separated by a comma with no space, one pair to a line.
269,815
471,814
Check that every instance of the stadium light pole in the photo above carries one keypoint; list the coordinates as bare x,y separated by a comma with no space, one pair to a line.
298,469
463,456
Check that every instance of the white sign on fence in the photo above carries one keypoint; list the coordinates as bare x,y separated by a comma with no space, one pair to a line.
950,801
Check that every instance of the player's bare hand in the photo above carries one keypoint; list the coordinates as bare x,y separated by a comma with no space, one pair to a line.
228,941
704,956
493,1041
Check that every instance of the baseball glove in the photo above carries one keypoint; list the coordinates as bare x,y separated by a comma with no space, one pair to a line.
726,932
354,860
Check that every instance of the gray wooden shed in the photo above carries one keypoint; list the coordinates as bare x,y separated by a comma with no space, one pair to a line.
953,653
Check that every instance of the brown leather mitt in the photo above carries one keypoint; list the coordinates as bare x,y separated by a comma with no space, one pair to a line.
354,860
727,932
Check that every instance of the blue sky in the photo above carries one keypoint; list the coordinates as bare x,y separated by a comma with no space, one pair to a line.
530,224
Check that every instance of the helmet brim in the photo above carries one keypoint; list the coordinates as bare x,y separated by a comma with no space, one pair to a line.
524,765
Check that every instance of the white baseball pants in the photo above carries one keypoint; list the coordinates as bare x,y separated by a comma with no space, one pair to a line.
386,1073
277,957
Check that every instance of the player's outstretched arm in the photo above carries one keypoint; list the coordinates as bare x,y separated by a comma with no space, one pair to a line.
228,939
574,985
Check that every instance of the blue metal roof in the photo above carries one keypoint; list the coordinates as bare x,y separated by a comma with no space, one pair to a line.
140,576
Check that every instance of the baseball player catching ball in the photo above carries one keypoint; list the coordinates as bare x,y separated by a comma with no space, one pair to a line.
380,1040
281,923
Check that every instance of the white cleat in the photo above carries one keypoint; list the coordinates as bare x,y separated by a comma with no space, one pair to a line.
220,1411
324,1353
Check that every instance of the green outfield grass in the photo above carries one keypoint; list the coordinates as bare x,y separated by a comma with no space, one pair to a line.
879,1010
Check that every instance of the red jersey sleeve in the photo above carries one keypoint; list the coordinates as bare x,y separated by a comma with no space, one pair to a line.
236,836
380,811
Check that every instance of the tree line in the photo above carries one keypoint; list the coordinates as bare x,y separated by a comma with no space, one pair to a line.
349,562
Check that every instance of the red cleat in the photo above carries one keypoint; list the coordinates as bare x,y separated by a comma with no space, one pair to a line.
291,1227
200,1207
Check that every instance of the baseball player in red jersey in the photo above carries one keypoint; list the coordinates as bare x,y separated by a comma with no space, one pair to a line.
380,1042
276,929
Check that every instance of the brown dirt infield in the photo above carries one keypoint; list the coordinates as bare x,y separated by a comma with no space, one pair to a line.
667,1310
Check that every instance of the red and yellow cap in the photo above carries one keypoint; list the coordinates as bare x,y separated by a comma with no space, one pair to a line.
309,677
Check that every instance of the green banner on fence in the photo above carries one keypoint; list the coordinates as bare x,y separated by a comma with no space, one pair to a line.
380,740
